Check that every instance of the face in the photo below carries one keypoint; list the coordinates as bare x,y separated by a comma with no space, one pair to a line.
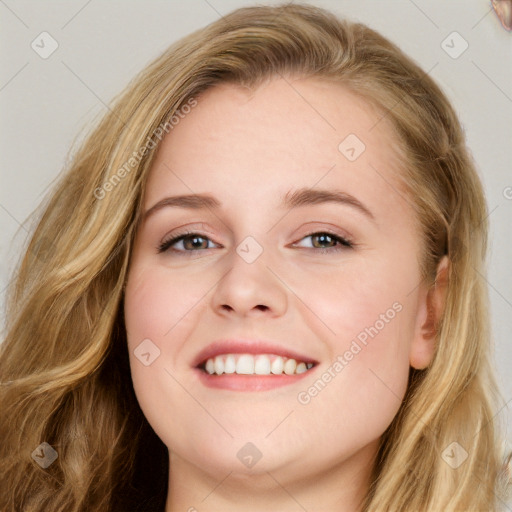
279,304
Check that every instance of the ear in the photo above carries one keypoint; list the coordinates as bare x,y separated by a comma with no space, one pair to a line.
431,304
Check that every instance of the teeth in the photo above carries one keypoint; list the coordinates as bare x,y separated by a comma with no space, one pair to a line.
230,364
277,366
248,364
245,365
210,366
290,366
262,365
219,366
301,368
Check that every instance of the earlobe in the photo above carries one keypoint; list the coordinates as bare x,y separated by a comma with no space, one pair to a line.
429,315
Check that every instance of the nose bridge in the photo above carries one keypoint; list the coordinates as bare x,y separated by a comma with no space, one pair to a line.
249,286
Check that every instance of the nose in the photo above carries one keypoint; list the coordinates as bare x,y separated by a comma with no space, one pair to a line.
249,289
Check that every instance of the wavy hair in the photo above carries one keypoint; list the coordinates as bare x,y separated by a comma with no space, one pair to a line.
65,376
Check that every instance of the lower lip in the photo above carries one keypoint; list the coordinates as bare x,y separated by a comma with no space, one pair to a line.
236,382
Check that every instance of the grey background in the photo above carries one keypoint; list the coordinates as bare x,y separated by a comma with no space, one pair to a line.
48,104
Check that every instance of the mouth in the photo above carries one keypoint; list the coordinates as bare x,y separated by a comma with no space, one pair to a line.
254,364
250,366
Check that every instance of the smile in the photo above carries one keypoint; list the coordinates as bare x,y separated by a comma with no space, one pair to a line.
242,364
254,364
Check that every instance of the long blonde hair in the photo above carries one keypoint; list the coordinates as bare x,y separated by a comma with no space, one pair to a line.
64,363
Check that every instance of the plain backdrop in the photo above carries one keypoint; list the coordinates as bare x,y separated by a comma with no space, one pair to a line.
47,103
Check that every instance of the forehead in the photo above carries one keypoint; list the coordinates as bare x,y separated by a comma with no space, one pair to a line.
282,135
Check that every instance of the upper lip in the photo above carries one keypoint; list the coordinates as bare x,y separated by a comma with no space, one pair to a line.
247,346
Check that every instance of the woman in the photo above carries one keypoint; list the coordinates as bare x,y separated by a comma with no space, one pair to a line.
257,289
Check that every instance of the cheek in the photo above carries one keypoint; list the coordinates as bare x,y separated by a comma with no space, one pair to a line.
157,319
156,303
368,301
371,315
156,322
360,389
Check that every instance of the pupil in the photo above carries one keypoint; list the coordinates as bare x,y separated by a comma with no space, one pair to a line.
323,239
196,242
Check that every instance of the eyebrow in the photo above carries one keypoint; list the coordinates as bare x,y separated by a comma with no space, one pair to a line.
298,198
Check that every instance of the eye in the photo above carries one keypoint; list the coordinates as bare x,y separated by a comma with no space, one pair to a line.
194,242
186,242
328,242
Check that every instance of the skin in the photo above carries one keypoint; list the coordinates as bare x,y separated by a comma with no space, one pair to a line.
248,149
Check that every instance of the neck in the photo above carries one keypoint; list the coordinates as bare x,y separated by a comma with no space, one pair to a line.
341,488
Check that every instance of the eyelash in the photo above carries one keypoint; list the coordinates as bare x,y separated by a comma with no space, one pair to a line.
343,243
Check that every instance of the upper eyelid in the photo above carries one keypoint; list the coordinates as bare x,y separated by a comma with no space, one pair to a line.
197,228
